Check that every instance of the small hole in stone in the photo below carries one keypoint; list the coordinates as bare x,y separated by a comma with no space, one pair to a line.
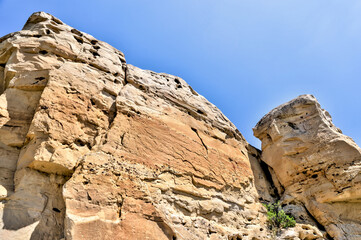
78,39
43,52
314,176
200,112
95,54
177,81
48,31
55,20
56,210
40,78
76,32
292,125
79,142
94,42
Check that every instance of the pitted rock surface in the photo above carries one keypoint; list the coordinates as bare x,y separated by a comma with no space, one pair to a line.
315,167
94,148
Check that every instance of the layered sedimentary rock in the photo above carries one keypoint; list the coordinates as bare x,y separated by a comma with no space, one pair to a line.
94,148
315,167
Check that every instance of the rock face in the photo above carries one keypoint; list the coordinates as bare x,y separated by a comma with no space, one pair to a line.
94,148
315,167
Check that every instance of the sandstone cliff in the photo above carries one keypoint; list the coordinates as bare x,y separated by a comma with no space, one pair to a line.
94,148
315,167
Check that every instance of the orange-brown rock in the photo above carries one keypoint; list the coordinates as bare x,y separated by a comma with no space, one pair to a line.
94,148
315,167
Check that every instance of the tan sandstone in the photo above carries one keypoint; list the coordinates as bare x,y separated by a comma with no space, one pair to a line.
94,148
315,167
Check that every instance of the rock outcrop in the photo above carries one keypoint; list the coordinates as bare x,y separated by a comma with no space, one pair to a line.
315,168
94,148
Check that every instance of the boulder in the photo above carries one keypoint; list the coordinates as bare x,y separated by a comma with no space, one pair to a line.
316,169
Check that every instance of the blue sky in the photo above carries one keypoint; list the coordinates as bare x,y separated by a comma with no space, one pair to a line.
246,57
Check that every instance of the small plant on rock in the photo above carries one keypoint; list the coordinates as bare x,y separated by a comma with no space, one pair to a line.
277,218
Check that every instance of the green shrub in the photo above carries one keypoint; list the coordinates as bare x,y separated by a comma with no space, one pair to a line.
277,218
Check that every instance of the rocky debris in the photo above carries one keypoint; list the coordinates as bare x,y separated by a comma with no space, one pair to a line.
301,231
315,168
94,148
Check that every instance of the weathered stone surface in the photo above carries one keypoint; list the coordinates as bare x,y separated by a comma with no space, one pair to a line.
94,148
313,165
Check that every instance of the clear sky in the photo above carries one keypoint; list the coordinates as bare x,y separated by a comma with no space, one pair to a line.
245,56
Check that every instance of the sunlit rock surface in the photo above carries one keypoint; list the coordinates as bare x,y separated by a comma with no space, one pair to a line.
94,148
315,168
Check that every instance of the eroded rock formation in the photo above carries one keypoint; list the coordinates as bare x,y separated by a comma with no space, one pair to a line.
315,167
94,148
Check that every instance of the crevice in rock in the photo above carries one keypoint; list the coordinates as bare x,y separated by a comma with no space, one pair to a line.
122,139
255,158
268,175
167,230
112,114
125,69
120,205
204,145
319,225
